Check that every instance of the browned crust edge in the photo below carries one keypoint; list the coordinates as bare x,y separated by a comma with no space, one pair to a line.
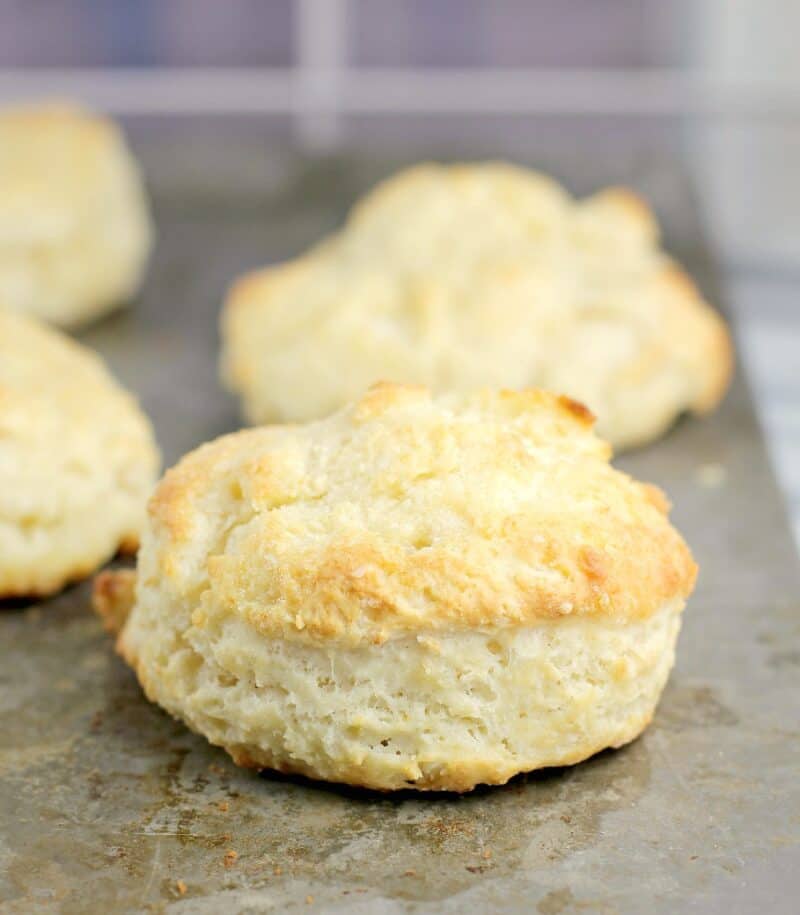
113,596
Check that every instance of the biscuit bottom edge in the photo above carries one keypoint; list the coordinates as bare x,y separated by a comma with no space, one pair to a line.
456,777
443,713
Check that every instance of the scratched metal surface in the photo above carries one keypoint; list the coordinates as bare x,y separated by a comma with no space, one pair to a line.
106,803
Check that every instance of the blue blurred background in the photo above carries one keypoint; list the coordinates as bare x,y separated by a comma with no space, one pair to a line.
137,33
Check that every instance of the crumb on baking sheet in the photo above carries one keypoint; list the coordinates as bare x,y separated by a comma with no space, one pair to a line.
231,857
450,828
223,806
309,899
710,476
278,871
181,887
410,872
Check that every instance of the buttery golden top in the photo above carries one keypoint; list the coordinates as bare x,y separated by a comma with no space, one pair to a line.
407,513
460,277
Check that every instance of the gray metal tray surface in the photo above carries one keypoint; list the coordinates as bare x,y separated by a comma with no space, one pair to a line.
108,805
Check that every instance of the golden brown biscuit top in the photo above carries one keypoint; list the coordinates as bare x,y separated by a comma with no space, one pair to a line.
407,513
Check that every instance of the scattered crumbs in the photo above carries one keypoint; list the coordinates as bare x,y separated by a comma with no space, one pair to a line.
710,476
487,854
225,837
309,900
450,828
410,872
278,871
230,858
223,806
566,818
476,868
181,887
693,857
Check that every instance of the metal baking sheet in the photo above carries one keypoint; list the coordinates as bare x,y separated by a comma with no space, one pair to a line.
108,805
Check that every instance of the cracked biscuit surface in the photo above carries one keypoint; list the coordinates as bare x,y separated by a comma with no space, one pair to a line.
426,592
459,277
77,460
75,230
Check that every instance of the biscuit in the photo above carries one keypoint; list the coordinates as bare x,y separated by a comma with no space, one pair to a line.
74,225
77,460
459,277
416,592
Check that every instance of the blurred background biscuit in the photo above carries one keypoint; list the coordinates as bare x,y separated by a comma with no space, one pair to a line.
75,230
77,460
489,274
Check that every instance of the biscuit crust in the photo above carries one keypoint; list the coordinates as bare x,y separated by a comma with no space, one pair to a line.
77,461
463,579
459,277
375,520
75,230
